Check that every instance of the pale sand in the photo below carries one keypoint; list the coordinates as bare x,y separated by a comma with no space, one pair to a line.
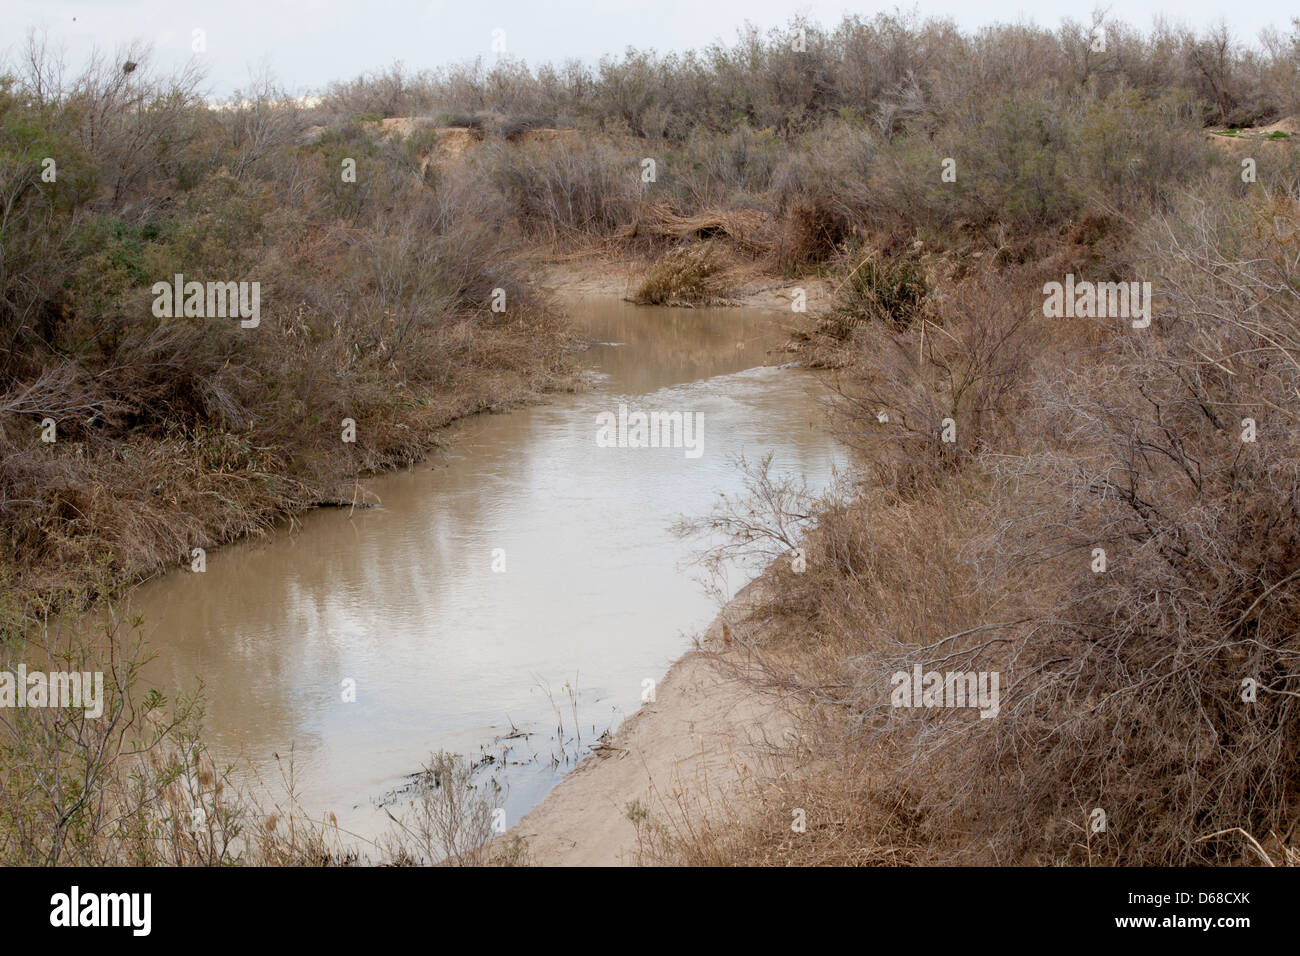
697,746
587,274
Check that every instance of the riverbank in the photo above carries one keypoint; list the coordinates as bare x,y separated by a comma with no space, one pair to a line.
591,273
697,747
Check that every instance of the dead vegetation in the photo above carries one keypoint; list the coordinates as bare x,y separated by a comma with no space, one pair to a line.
748,230
1126,686
1000,450
687,275
172,434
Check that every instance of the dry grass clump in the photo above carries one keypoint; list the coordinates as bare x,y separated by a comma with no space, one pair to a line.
880,285
889,289
687,275
450,821
797,809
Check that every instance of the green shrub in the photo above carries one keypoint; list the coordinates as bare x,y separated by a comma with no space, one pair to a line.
890,289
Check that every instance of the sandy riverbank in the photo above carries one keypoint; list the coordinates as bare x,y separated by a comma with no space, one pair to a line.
589,275
695,748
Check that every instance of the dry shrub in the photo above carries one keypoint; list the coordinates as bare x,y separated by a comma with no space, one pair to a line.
924,396
450,820
185,433
748,231
1120,691
687,275
1133,680
830,167
129,786
516,126
877,580
810,235
882,286
885,284
564,189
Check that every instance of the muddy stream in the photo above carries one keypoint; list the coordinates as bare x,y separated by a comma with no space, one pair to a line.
522,572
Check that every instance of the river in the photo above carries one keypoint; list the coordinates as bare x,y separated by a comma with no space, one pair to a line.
523,558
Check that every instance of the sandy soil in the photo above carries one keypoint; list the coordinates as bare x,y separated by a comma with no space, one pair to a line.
696,745
1288,124
588,274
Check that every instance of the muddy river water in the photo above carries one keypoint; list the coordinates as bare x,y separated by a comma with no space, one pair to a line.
527,570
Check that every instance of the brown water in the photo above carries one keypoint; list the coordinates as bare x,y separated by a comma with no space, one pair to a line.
447,653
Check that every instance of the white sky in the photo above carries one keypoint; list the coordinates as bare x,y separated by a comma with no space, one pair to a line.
310,42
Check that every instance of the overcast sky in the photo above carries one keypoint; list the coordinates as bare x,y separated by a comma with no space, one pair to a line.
311,42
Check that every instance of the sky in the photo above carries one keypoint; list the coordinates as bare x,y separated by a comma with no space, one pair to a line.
308,43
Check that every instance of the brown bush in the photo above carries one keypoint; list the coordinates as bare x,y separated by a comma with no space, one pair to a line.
1120,691
810,235
687,275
